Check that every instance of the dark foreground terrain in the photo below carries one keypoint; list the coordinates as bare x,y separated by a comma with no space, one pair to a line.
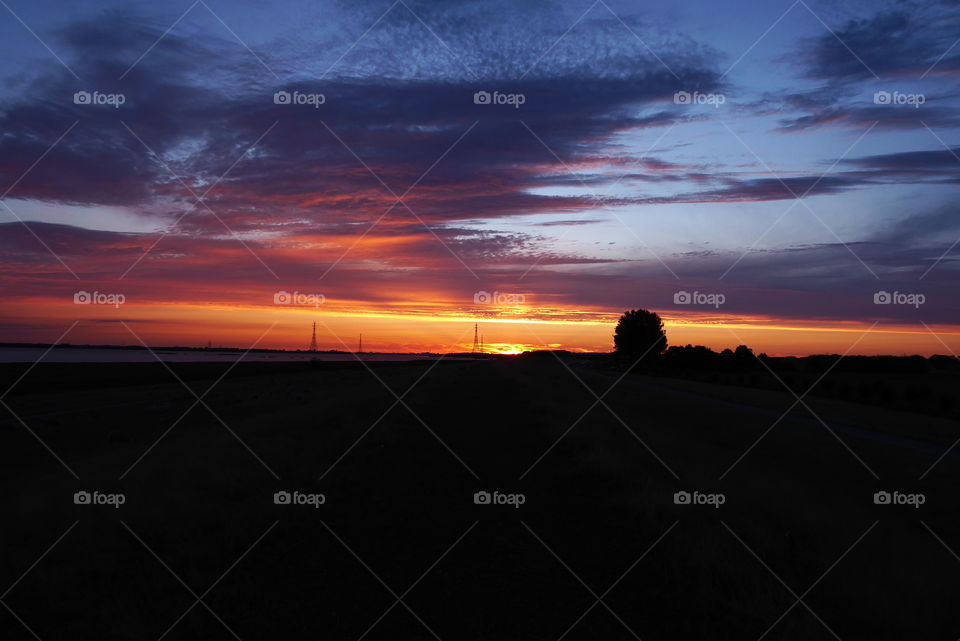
399,550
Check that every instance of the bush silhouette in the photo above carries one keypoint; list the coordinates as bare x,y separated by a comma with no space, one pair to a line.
639,335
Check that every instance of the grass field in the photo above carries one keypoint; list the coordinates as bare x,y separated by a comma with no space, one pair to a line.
400,550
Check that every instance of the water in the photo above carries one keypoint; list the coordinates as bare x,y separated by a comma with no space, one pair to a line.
101,355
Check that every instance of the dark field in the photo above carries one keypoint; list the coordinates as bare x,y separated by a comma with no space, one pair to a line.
399,549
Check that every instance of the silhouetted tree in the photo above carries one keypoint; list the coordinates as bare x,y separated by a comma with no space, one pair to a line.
743,352
639,333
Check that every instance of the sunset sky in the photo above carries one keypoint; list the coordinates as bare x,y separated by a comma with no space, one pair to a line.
789,168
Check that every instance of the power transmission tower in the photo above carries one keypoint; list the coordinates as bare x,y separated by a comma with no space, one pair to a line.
360,351
476,340
313,340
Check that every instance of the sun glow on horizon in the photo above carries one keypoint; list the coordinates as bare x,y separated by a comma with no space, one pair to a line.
287,327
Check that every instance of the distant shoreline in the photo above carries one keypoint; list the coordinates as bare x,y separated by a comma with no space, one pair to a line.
68,353
183,348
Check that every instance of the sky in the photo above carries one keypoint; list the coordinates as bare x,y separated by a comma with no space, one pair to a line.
781,174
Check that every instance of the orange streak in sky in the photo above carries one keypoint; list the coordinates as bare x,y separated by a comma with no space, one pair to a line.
440,328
